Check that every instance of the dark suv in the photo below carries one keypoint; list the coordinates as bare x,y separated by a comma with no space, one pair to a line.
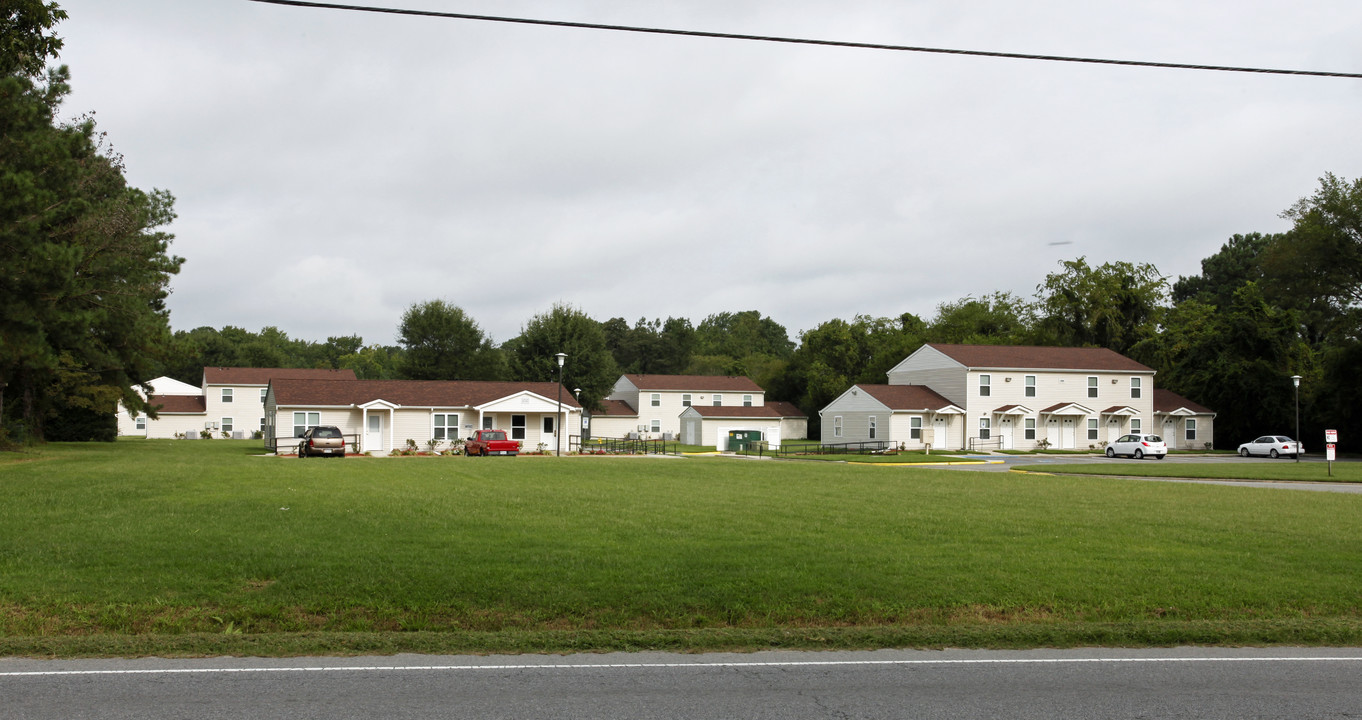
325,440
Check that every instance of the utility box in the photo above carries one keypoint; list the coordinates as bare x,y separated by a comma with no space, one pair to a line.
739,440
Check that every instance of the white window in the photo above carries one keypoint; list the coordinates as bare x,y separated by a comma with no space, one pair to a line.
656,400
1135,388
548,424
1092,428
226,395
226,425
873,427
1190,425
262,426
747,401
685,400
837,426
985,385
1030,386
718,400
1092,387
1030,425
985,427
517,427
1135,426
655,426
263,391
444,426
914,428
489,422
304,420
141,422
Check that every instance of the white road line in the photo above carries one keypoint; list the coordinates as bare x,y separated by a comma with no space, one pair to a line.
613,666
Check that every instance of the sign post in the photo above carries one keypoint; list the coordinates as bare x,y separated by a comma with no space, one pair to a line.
1330,439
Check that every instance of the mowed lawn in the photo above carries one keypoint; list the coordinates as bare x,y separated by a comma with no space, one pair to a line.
166,539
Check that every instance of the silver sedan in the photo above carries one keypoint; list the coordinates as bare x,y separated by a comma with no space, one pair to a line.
1271,446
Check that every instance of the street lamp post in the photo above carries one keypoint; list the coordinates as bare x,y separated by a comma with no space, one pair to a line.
558,419
1296,381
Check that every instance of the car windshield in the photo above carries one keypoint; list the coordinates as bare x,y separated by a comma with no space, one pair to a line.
494,436
1283,438
1153,438
326,432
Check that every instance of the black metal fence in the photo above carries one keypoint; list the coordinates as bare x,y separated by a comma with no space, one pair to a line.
622,446
795,449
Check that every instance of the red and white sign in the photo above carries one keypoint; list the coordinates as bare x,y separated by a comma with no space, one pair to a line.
1331,436
1329,452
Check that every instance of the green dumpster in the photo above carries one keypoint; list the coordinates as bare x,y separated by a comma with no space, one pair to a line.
741,440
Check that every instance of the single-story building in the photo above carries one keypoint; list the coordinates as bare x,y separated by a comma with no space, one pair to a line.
909,416
709,426
1184,425
382,415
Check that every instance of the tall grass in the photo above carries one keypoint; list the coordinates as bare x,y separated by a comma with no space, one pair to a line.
177,537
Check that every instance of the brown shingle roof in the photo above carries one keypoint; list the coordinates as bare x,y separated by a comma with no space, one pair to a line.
736,411
1029,357
262,376
615,408
408,393
1169,401
695,383
786,409
906,397
177,404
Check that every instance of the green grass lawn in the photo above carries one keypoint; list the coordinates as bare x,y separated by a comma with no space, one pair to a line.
1258,469
165,547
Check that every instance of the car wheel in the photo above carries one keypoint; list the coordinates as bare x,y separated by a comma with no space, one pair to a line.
1243,452
1274,454
1159,457
301,452
1111,453
1139,454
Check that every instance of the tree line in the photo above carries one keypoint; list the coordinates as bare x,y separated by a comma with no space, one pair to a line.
85,269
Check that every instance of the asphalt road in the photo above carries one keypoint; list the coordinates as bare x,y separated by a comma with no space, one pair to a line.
925,685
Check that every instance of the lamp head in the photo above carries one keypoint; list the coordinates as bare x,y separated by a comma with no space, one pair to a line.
1296,380
562,358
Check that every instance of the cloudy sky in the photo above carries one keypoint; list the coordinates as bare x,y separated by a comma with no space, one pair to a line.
331,168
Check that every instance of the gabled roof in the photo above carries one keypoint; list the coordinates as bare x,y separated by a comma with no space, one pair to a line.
262,376
1067,408
695,383
786,409
1169,402
907,397
735,411
1012,410
177,404
1030,357
409,393
1121,410
615,408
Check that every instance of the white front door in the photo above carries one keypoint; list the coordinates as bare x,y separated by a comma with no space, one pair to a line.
1005,433
1170,433
373,435
1067,433
939,434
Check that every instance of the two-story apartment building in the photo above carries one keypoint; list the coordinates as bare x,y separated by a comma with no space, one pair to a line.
696,409
1000,396
229,400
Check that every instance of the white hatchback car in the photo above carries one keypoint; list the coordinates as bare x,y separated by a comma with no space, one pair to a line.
1138,446
1271,446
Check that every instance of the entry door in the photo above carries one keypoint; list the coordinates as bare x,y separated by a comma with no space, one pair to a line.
939,434
1005,433
373,435
1170,433
1067,433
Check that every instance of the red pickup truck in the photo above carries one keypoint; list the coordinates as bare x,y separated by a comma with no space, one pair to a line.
490,442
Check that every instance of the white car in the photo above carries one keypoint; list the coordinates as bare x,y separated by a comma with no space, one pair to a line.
1138,446
1271,446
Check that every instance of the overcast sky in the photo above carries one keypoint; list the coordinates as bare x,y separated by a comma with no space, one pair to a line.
331,168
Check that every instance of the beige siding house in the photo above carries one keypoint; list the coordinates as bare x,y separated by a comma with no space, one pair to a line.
230,400
657,402
382,415
1184,425
912,417
1022,397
